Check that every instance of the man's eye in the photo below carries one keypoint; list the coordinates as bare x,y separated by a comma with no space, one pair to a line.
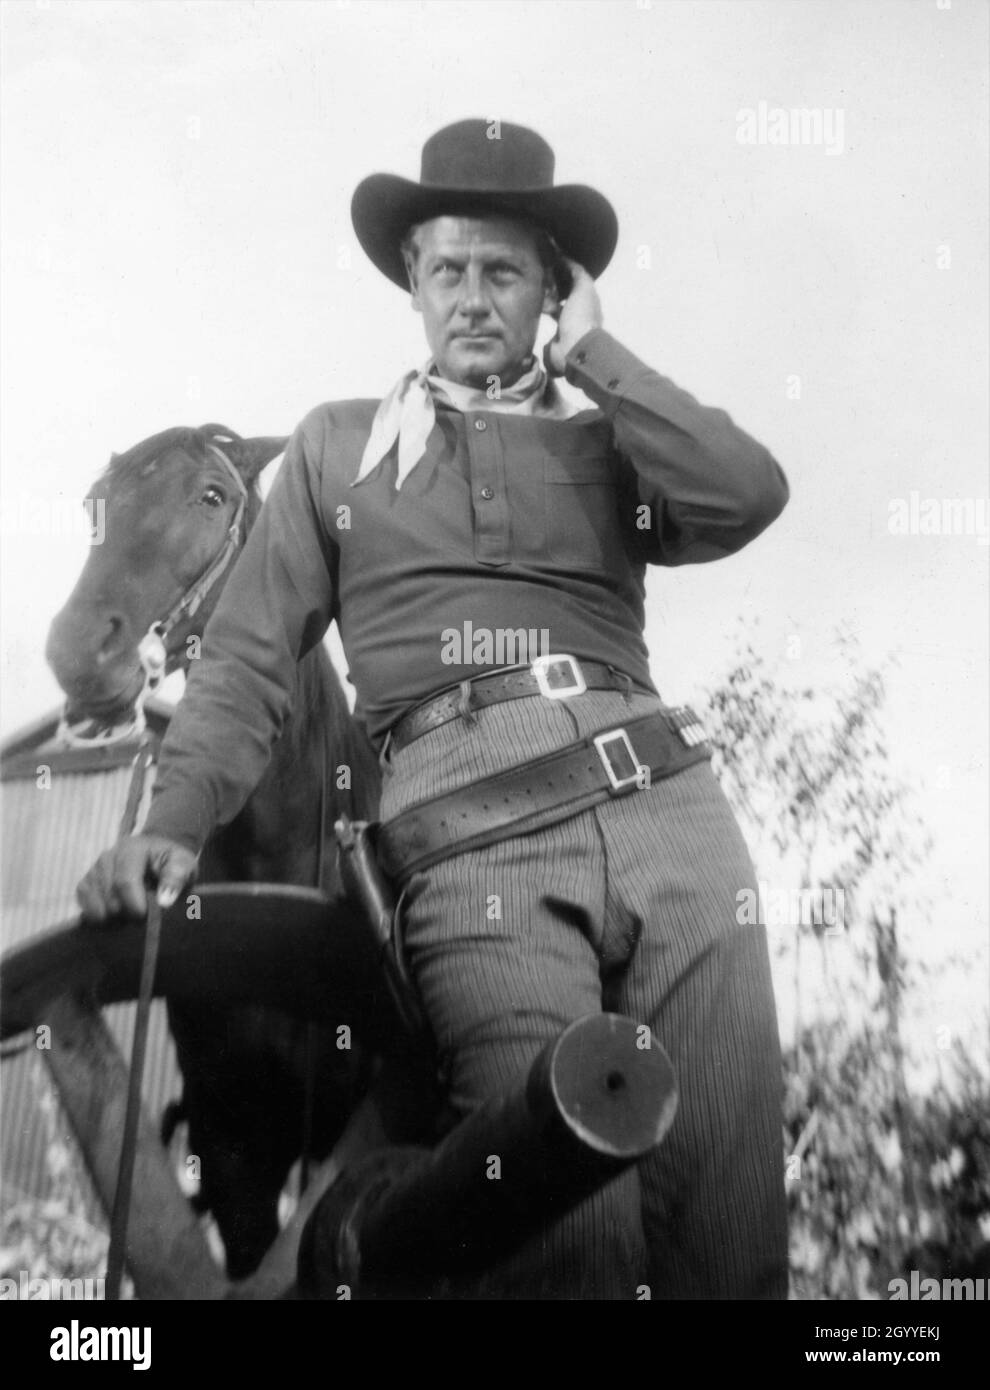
213,497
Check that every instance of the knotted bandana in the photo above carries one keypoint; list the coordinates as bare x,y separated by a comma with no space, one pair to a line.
408,412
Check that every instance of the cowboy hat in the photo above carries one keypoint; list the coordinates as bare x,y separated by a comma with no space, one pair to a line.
474,167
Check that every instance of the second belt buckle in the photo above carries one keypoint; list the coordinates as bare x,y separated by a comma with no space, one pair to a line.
620,779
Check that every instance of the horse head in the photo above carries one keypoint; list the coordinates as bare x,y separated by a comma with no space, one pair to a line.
174,512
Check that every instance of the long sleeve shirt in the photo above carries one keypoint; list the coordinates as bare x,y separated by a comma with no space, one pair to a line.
509,522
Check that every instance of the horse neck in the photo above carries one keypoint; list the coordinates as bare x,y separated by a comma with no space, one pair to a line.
321,730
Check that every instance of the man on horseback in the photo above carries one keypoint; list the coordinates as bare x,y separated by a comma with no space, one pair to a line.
560,840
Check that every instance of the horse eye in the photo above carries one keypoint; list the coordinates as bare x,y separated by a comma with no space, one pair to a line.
213,497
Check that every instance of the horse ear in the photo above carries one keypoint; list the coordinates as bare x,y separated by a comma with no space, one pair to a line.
253,454
249,456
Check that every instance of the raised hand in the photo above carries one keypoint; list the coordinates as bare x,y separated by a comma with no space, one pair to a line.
580,312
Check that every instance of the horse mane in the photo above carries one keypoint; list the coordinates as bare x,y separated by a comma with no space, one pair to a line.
178,437
148,450
320,696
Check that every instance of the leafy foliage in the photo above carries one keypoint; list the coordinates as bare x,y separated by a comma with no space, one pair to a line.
874,1195
881,1181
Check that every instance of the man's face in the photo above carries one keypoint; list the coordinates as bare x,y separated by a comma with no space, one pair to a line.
480,287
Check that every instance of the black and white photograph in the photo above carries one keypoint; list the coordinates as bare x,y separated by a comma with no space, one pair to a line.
494,664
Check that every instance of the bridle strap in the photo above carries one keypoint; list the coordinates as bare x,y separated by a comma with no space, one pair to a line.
190,601
152,650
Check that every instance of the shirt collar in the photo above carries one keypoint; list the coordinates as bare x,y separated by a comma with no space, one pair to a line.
408,412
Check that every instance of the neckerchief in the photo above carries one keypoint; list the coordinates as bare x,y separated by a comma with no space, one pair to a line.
408,412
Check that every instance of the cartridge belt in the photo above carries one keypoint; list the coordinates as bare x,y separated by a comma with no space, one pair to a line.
614,762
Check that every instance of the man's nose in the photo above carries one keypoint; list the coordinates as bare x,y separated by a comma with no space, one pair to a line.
473,300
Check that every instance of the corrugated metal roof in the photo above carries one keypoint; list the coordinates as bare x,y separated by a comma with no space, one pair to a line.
48,839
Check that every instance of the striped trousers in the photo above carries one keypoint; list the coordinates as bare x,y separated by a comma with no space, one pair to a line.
629,906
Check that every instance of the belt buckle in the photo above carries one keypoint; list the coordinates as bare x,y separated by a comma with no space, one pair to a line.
619,736
542,669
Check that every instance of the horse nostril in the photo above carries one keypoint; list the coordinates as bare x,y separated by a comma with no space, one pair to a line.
113,639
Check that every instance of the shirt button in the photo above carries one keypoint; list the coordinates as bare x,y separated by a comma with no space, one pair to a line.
488,493
613,383
481,424
581,356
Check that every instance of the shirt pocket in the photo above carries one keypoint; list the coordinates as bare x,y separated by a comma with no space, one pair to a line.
583,526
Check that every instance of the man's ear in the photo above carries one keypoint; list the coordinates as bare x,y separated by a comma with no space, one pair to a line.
551,297
414,292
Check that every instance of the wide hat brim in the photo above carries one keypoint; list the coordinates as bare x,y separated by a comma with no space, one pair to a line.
581,220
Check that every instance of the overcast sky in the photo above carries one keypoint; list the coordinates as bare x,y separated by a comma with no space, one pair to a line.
177,248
